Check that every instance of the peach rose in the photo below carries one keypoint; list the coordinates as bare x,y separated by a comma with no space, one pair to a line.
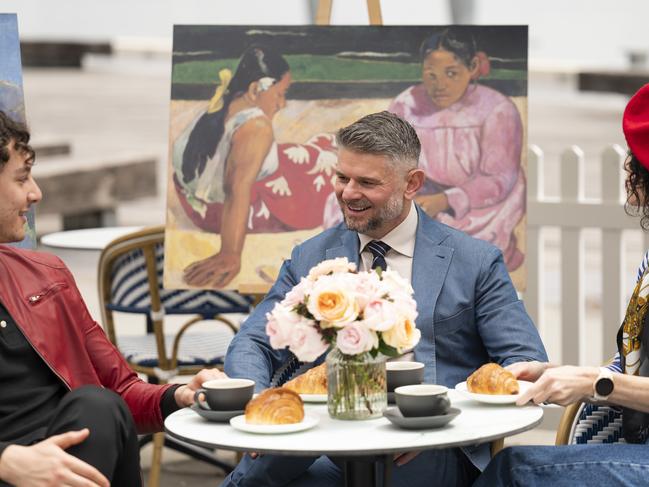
332,302
402,336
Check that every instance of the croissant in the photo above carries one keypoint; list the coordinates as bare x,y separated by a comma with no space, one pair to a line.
313,381
492,379
275,406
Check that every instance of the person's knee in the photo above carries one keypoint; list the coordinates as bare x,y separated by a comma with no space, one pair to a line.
97,402
97,399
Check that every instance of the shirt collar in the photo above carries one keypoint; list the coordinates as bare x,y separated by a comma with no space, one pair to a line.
401,238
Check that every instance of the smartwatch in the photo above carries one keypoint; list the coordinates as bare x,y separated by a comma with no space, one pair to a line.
603,385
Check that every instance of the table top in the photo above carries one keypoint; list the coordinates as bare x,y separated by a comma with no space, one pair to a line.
87,238
478,423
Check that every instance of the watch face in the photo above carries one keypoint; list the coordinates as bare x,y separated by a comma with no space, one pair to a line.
604,386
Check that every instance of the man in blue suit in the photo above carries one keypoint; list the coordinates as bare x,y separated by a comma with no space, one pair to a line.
469,313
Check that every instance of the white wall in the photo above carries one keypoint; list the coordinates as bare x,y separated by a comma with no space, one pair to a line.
573,33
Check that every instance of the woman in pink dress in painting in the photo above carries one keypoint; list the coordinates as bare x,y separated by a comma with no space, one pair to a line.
471,138
232,178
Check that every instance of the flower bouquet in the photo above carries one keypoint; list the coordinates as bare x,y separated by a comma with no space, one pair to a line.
362,317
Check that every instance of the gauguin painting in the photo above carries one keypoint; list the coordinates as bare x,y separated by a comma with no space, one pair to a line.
252,151
11,93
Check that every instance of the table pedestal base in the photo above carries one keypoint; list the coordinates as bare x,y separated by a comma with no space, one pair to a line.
371,471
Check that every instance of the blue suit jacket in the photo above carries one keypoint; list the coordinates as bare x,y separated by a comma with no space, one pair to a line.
469,312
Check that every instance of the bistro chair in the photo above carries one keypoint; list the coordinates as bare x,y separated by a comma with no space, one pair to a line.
130,281
584,423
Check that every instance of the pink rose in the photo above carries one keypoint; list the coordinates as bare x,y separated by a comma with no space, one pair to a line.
380,315
296,295
306,342
356,338
280,325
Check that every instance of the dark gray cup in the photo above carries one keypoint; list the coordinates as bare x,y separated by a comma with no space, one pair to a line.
402,373
225,394
422,400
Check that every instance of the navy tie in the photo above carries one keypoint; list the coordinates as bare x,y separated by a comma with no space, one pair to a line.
378,249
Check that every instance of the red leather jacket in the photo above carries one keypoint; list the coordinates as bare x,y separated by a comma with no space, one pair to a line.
40,294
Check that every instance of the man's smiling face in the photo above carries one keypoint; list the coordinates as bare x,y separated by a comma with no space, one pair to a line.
18,191
370,191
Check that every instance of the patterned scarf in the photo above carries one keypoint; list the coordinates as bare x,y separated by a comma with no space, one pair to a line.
632,326
635,424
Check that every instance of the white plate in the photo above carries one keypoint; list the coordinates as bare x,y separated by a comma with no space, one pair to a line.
523,385
309,421
314,397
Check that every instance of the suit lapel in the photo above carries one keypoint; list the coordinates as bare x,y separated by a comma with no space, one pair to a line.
431,261
348,248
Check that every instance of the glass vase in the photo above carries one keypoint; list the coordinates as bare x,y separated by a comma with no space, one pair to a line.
356,385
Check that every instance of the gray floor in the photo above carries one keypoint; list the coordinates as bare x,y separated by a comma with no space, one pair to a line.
122,106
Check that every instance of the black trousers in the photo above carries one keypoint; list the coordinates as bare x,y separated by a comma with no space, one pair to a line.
112,446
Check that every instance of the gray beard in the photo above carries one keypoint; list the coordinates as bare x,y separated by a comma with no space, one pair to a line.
392,209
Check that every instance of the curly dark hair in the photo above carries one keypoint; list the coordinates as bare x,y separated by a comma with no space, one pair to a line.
637,190
10,130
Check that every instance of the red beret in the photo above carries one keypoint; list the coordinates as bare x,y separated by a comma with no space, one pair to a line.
635,124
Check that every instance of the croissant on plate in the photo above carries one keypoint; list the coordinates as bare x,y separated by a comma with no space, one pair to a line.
275,406
492,379
313,381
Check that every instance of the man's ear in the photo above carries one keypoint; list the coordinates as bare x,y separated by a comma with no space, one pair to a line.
414,182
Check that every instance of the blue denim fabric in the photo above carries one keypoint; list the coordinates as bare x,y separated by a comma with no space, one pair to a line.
433,467
615,464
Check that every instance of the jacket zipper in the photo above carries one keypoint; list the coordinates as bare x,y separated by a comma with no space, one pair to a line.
47,363
36,298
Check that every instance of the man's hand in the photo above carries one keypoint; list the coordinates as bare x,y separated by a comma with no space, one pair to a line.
529,371
184,395
47,464
561,385
214,271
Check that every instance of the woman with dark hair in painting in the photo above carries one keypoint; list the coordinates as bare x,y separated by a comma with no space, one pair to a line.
232,178
471,138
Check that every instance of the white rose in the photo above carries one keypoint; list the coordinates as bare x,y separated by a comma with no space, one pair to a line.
339,264
367,286
356,338
381,315
393,284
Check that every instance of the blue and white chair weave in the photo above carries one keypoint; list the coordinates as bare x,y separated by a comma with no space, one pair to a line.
130,281
596,424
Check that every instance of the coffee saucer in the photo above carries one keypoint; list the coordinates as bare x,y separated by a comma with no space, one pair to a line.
217,416
420,422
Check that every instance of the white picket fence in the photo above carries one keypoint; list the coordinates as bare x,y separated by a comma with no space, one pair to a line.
572,213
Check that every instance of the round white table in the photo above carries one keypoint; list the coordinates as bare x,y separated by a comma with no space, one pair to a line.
87,238
359,441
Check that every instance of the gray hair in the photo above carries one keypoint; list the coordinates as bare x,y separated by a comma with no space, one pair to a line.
384,134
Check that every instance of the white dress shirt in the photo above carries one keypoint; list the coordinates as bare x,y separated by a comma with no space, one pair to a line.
402,246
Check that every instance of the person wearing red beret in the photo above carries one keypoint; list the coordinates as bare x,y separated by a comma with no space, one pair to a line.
623,384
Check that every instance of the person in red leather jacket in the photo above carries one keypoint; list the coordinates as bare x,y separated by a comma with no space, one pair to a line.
71,407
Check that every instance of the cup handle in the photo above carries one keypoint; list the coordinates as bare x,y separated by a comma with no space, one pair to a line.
197,399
